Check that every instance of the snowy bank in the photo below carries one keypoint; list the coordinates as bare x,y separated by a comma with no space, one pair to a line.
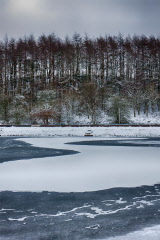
80,131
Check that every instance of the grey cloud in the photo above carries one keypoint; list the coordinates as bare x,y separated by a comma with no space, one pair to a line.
95,17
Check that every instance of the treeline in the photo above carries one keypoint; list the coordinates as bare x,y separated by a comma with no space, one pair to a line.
92,71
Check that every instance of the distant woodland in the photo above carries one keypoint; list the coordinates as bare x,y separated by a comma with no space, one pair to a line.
50,80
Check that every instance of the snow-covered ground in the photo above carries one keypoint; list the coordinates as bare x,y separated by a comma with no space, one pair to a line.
80,131
93,168
143,119
150,233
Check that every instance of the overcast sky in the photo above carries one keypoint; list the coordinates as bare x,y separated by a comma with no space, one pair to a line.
65,17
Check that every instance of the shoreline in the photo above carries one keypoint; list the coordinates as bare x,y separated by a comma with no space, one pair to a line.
116,131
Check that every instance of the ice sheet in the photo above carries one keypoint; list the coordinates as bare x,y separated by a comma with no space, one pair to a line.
94,168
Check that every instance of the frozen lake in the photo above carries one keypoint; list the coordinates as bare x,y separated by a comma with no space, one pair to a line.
79,188
55,165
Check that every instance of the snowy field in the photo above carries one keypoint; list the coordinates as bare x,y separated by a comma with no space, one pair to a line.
80,131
